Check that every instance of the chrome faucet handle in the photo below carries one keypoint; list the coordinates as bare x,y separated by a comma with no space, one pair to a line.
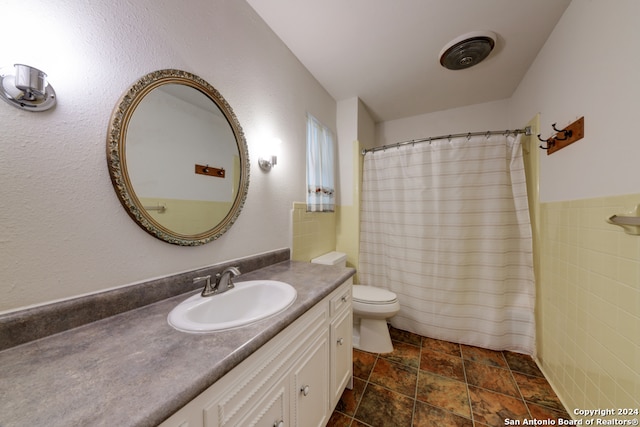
202,279
208,289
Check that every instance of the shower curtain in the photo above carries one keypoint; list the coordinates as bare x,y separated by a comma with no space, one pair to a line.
445,225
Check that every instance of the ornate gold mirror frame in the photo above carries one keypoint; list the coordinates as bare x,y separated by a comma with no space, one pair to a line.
147,217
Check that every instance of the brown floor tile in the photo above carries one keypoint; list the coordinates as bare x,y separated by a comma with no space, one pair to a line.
442,364
444,393
363,363
404,336
443,384
493,409
339,420
430,416
483,355
522,363
491,378
447,347
404,353
541,413
384,408
395,376
537,390
350,399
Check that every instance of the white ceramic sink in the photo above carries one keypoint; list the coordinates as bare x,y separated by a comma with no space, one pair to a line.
246,303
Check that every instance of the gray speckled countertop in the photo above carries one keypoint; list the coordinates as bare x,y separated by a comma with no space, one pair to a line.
133,369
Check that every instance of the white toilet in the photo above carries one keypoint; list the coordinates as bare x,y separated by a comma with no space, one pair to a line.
371,308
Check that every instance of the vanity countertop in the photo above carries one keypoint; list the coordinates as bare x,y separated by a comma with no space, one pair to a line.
133,369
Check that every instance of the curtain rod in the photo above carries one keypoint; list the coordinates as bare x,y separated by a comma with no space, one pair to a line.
526,131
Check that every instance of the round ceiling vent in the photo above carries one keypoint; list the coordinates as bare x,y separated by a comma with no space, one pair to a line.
467,50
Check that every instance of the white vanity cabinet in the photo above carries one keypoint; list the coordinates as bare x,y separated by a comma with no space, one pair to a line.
295,379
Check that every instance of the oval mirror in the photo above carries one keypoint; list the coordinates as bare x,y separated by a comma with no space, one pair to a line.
178,158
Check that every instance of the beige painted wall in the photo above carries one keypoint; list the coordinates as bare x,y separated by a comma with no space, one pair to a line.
202,215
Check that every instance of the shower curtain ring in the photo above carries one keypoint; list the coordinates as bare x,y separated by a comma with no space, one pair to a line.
468,136
487,135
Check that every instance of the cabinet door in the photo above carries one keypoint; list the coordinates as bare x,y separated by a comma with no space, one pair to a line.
310,385
271,411
341,354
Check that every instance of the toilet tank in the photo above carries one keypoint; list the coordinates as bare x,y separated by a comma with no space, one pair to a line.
332,258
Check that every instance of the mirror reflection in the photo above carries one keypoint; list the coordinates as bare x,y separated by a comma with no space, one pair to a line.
178,158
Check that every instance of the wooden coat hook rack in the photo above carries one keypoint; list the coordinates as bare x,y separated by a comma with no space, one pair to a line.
208,170
563,137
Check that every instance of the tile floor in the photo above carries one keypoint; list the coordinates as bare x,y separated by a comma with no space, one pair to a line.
427,382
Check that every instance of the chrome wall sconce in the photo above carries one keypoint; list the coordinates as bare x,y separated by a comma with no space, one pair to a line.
26,87
268,155
268,163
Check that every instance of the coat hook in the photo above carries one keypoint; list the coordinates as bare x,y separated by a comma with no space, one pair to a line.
567,133
550,142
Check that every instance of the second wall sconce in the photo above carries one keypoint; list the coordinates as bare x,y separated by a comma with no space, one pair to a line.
269,155
268,163
26,87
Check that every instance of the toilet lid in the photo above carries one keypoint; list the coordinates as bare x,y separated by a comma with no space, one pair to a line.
372,295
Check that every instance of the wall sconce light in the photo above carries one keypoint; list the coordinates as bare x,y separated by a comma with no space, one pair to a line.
26,87
268,163
269,157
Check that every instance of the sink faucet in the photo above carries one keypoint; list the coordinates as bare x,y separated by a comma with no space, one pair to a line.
223,282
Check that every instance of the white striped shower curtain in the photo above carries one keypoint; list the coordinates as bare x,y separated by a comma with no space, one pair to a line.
445,225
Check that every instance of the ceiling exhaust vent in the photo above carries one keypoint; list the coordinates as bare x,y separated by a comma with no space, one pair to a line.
467,50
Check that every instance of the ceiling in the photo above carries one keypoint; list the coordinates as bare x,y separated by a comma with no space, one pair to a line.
386,52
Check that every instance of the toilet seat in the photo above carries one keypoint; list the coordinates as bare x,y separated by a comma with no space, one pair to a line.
372,295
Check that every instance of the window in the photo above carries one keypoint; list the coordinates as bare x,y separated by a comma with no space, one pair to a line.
320,167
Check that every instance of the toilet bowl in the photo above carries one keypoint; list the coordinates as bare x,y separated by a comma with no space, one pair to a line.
372,307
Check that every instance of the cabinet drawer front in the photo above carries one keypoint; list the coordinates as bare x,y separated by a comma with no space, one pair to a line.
342,299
